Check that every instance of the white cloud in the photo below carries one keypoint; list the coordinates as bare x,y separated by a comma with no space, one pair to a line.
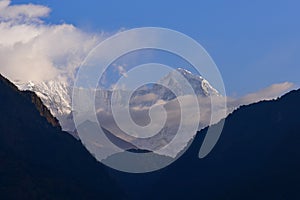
140,114
33,51
23,13
145,98
122,71
272,92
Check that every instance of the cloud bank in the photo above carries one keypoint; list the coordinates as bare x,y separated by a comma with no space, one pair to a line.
21,13
31,50
139,112
267,93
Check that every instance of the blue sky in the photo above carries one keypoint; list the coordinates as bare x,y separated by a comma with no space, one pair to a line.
254,43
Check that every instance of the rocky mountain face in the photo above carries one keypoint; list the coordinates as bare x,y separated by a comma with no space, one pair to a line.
56,96
38,160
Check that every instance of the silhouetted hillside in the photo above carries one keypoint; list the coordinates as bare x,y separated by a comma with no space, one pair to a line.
39,161
257,157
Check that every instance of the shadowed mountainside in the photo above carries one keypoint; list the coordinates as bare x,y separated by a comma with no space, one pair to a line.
38,160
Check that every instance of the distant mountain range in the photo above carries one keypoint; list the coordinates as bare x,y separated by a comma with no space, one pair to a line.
57,98
257,157
57,95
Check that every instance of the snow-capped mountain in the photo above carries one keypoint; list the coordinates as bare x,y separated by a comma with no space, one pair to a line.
56,95
200,86
169,85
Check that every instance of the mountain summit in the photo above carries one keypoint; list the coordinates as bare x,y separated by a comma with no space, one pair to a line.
200,85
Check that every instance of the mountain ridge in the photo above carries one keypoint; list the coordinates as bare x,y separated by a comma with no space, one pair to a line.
256,157
39,161
43,110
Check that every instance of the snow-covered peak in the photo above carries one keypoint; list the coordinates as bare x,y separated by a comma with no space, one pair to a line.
187,73
54,94
200,86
